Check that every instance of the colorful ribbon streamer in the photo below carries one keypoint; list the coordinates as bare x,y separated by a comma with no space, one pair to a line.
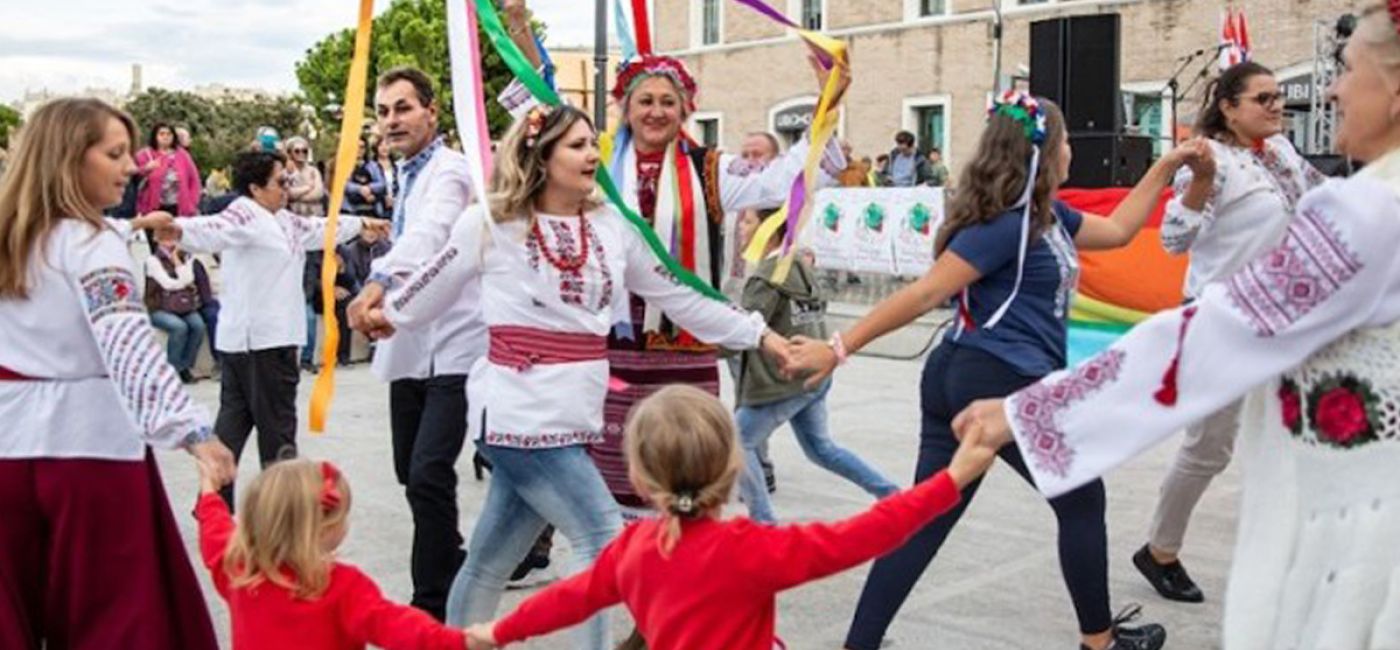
324,389
469,97
542,92
831,53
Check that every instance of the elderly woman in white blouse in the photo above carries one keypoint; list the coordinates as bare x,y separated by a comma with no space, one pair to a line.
1240,207
1310,330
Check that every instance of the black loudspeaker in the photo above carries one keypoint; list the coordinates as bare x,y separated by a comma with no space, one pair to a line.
1331,165
1074,62
1108,160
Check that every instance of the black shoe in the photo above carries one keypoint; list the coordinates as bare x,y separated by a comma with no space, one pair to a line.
186,377
1170,580
480,466
770,480
1150,636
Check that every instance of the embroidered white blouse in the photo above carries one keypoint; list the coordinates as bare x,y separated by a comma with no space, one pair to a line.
102,387
553,404
1312,328
1248,210
264,258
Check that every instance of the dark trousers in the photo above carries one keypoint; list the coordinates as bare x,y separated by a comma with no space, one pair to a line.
429,422
259,390
953,377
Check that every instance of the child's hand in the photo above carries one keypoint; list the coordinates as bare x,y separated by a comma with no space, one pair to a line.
481,636
972,459
215,463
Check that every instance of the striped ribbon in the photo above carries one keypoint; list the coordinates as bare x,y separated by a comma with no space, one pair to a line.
469,96
324,389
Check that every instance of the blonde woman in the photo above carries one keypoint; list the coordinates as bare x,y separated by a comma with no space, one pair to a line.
1310,331
555,266
306,193
90,556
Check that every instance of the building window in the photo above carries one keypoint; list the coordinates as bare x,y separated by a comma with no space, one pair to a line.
1144,113
932,8
931,127
707,129
812,15
710,20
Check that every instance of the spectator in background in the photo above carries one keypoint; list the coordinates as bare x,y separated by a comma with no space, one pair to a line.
937,170
907,168
855,174
173,299
882,170
183,138
383,164
170,182
307,189
209,311
360,252
346,286
362,192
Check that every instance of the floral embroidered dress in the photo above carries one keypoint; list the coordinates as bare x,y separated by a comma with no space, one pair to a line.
549,294
1311,331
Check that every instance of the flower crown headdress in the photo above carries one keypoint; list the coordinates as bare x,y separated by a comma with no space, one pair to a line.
534,123
633,71
1026,110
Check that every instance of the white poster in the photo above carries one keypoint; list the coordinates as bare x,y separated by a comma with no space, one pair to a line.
875,230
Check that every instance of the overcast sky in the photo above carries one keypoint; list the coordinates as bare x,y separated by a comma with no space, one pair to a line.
68,45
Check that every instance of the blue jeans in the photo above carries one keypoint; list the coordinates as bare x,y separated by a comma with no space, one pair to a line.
184,336
308,353
807,413
529,489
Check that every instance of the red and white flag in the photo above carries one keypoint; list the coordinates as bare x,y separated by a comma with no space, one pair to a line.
1234,38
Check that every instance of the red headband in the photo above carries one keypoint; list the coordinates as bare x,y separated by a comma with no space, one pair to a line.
648,65
330,489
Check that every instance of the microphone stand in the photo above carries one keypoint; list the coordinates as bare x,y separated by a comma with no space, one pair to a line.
1174,84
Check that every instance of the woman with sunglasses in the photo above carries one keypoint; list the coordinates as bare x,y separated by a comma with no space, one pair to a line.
307,193
1224,214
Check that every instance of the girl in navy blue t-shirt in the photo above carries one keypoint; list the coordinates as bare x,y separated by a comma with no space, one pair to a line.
1010,253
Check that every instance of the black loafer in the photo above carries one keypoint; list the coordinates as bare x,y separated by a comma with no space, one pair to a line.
1149,636
1170,580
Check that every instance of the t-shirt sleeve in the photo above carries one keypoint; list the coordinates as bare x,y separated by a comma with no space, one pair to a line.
988,246
1071,218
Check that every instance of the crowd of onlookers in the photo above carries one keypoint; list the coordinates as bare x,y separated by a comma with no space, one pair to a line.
906,165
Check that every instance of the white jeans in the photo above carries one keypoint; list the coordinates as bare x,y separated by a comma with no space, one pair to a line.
1204,453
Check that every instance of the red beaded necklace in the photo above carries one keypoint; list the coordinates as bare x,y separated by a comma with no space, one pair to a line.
565,265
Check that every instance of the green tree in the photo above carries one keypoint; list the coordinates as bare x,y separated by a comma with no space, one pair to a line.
409,32
9,121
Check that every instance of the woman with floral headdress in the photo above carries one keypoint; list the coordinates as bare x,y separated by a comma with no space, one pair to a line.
683,190
1009,248
552,263
1311,332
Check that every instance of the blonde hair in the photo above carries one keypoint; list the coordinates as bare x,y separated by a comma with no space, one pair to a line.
683,454
281,527
1378,31
43,182
521,158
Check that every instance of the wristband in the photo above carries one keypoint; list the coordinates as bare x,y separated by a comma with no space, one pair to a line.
839,347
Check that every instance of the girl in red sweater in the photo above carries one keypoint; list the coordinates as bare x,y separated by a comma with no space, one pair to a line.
692,580
276,568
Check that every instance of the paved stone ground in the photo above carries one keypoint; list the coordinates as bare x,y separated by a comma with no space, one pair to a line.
995,585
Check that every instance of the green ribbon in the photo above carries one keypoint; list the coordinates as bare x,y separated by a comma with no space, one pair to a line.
521,68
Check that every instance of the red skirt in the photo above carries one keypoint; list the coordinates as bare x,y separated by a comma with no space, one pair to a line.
91,557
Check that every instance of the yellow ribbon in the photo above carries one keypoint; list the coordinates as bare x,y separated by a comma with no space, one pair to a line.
823,127
324,389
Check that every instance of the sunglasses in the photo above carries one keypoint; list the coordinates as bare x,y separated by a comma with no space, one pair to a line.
1265,99
299,150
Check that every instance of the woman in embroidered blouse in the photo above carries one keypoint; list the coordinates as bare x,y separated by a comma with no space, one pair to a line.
1237,207
675,185
307,192
90,555
556,267
1010,248
1311,329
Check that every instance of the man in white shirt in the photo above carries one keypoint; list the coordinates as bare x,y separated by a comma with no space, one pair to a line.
262,318
426,367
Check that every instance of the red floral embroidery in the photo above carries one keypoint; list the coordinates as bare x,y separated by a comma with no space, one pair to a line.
1036,408
1287,283
1341,416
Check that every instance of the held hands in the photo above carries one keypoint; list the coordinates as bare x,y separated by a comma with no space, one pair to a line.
973,458
216,465
808,355
371,297
153,221
1196,154
842,83
481,636
777,348
377,325
985,422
